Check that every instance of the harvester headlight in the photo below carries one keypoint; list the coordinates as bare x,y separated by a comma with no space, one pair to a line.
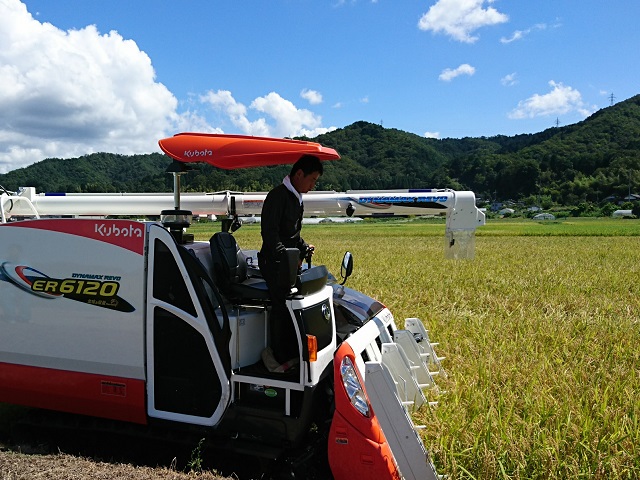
352,386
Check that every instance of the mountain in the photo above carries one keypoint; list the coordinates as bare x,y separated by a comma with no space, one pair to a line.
587,161
584,162
98,172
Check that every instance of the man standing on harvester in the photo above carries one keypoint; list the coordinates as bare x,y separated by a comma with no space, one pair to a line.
281,222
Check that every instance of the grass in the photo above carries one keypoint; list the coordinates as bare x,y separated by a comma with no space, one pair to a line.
542,338
541,332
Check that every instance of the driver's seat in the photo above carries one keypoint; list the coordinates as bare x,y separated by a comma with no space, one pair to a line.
230,271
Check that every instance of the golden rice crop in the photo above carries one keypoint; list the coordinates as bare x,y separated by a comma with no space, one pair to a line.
541,334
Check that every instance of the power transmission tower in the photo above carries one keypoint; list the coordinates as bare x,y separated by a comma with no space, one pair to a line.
557,122
612,97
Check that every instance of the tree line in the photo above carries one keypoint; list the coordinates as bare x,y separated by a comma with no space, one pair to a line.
592,162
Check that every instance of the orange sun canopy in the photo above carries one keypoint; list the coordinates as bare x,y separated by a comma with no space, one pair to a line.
240,151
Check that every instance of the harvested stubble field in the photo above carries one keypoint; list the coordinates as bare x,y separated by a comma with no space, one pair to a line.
541,332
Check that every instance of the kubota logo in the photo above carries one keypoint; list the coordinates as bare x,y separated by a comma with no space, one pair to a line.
198,153
114,231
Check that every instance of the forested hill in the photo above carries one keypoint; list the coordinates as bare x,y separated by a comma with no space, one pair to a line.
587,161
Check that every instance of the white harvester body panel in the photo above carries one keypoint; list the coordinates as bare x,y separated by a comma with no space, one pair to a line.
80,303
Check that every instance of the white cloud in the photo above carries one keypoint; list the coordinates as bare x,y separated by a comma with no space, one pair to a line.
312,96
560,100
460,18
432,134
509,80
520,34
69,93
449,74
194,122
222,101
289,121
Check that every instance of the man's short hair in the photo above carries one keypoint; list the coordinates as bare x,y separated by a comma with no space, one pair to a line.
308,164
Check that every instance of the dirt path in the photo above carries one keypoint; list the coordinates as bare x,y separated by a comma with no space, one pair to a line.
22,466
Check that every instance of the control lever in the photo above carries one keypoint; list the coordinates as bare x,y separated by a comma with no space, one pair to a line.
308,256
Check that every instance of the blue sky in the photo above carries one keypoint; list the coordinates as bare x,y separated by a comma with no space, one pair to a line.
80,76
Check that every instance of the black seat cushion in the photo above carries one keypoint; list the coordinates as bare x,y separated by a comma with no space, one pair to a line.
250,290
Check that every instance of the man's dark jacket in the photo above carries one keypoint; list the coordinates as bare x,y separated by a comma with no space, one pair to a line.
280,223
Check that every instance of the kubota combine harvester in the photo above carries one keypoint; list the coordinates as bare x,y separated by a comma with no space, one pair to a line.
134,321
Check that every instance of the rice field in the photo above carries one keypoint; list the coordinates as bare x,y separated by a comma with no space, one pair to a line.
541,332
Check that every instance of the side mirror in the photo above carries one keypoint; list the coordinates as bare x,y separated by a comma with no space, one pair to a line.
347,267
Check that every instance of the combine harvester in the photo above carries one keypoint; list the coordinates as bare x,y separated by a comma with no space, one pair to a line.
135,322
